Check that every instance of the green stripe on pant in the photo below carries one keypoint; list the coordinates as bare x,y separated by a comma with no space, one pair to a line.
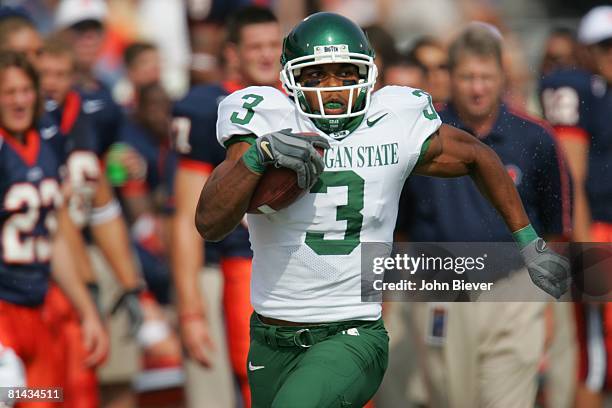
333,365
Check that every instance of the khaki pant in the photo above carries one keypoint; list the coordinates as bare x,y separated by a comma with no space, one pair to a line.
562,358
212,387
123,362
488,358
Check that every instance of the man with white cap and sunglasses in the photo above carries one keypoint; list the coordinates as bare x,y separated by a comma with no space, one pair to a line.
314,342
578,103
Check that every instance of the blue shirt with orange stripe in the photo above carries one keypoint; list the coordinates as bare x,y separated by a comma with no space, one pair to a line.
450,210
196,142
29,194
159,158
71,129
578,104
105,115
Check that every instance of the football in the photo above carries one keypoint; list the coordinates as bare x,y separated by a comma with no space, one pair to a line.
277,189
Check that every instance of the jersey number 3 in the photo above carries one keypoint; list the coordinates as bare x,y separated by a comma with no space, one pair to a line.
250,101
351,212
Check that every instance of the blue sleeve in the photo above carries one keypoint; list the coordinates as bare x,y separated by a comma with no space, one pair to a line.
566,99
194,133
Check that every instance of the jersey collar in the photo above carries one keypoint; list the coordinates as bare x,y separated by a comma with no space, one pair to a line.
28,151
70,111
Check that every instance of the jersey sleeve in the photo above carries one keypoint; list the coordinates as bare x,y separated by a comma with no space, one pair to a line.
417,115
254,110
193,133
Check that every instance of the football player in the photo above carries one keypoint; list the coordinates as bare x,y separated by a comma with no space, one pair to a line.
313,341
31,210
253,51
91,203
578,103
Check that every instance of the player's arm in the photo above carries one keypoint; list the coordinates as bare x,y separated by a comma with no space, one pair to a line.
227,193
453,153
111,235
187,258
225,197
66,275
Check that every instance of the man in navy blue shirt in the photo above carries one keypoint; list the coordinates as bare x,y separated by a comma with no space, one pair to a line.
474,371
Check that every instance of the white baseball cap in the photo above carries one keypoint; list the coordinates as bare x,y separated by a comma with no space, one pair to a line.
71,12
596,25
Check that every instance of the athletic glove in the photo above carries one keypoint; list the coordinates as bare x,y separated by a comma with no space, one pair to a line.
130,301
547,269
290,150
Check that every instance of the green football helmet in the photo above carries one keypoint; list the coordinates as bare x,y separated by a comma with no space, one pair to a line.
328,38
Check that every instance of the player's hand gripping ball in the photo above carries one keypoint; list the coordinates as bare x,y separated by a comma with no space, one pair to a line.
293,163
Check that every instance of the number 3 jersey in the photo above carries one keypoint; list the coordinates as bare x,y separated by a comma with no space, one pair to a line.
307,257
29,195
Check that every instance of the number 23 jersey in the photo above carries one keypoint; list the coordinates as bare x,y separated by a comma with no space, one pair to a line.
29,196
307,257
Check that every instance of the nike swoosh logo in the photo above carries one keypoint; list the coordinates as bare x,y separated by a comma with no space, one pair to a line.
265,146
254,368
93,106
48,132
371,123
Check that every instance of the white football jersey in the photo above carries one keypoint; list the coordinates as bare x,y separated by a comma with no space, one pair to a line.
307,257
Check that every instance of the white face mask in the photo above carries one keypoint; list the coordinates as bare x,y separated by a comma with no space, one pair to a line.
330,55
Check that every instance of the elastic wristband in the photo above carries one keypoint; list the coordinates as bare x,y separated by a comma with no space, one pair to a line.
110,211
152,332
252,161
524,236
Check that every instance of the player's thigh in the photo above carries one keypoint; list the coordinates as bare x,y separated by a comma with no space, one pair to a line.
344,370
267,369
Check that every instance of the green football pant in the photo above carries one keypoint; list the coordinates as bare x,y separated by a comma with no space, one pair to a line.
333,365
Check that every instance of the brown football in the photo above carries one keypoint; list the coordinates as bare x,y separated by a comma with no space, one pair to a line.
276,189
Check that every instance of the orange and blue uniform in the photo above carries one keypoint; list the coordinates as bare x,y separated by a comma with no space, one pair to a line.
74,143
29,195
578,104
199,151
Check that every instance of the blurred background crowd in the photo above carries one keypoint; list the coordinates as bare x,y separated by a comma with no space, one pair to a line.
150,73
